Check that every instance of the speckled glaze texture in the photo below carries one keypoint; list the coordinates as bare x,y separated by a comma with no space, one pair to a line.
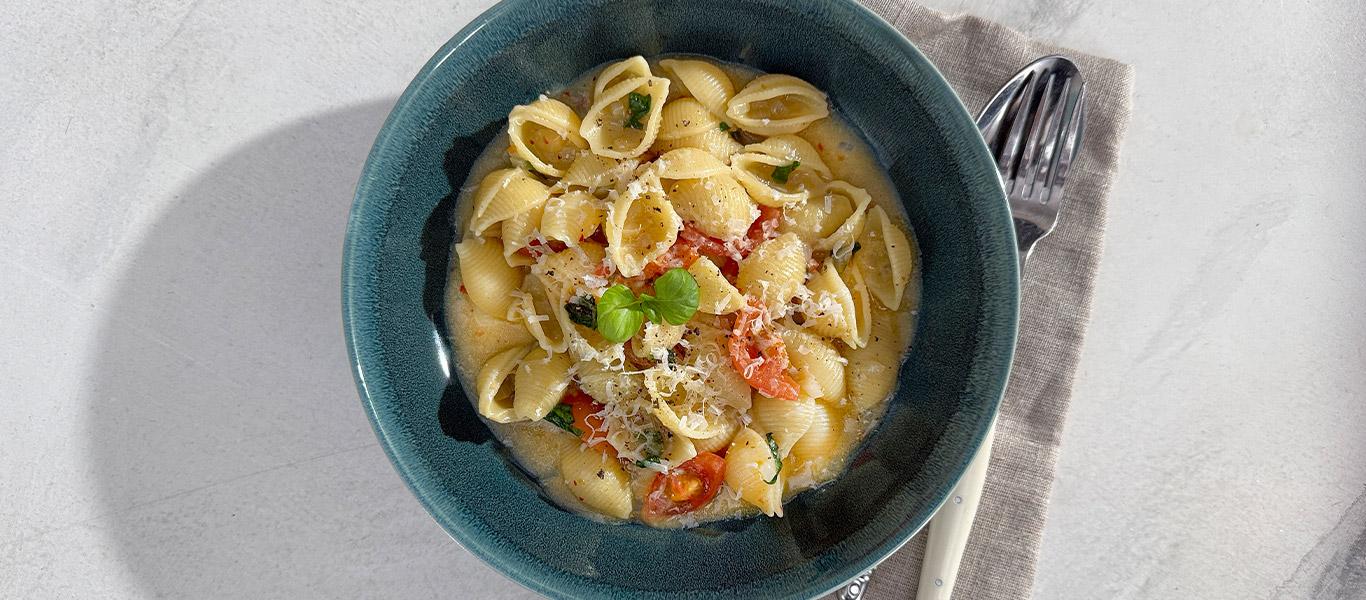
396,265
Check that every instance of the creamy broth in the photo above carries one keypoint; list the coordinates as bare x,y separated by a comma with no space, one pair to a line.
539,445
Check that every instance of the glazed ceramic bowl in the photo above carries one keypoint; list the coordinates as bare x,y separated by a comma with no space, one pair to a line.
397,259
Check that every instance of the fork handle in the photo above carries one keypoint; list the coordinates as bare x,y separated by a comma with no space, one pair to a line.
948,535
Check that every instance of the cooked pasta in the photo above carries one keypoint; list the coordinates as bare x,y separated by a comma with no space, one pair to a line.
624,118
539,383
571,217
487,277
884,245
665,324
494,384
702,80
752,471
641,226
504,194
545,134
777,104
775,271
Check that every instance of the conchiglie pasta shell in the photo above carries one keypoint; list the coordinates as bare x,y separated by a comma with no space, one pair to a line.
863,315
597,172
504,194
607,385
715,294
774,272
716,142
731,424
777,104
883,247
488,279
830,310
543,316
685,117
787,420
540,382
792,148
620,71
840,242
702,80
495,384
755,170
748,465
604,125
545,133
816,219
641,226
517,233
871,372
571,217
562,274
688,163
716,205
815,450
819,366
677,450
598,481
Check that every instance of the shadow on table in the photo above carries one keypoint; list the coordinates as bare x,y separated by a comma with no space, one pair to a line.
234,458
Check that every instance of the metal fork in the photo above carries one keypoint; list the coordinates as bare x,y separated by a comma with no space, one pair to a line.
1033,127
1042,106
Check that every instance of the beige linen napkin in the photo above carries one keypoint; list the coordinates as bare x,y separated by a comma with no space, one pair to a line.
977,57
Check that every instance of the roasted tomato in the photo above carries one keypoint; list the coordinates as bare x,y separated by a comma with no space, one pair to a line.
758,353
684,488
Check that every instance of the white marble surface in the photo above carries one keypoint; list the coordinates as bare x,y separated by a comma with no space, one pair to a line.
177,418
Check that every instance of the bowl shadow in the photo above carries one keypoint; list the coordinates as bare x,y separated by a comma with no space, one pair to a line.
234,458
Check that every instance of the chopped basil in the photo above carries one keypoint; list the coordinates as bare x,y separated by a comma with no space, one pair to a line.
724,126
583,310
780,174
562,416
778,460
639,105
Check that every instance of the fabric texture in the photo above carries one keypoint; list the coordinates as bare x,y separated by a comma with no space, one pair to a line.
977,57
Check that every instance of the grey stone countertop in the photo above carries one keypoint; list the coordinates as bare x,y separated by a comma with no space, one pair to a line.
179,419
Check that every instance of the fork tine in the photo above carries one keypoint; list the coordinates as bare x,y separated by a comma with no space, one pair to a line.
1046,156
1007,164
1071,141
1029,163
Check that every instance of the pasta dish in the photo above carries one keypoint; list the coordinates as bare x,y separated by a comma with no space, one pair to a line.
682,292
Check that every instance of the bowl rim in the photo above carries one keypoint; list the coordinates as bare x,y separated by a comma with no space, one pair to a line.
356,263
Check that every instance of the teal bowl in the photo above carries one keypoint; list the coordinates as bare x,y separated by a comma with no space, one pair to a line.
397,258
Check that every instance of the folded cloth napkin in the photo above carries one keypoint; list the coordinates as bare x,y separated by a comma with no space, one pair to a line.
977,57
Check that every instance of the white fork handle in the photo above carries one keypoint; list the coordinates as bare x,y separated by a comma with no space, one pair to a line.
949,529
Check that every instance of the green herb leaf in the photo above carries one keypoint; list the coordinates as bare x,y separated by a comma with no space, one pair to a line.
773,449
583,310
676,297
639,105
618,316
651,445
649,309
780,174
562,416
724,126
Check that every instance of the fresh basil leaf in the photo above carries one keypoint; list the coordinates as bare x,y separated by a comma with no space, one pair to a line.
773,449
583,310
724,126
676,296
639,105
780,174
562,416
647,306
619,317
